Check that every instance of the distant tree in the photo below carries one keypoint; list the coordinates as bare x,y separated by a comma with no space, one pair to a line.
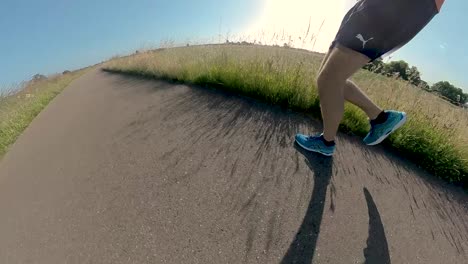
401,69
414,77
454,94
39,77
66,72
376,66
464,98
424,85
397,67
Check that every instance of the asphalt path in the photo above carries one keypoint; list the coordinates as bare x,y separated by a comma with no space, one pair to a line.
124,170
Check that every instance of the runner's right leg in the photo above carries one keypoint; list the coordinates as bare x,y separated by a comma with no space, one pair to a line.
339,64
354,95
331,81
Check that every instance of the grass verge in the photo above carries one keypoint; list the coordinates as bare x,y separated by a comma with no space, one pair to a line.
18,109
435,137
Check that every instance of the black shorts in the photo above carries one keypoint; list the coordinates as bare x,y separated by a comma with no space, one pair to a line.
377,27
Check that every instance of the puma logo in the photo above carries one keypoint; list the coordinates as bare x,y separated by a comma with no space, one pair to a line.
364,42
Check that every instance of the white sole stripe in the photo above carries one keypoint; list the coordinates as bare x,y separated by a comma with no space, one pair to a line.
313,150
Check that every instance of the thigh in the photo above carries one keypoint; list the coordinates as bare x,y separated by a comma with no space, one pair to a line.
325,59
342,63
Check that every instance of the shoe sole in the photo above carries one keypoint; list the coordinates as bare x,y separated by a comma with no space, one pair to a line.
397,126
314,150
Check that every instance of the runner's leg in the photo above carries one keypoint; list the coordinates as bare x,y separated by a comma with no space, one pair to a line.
340,65
357,97
354,95
369,30
325,59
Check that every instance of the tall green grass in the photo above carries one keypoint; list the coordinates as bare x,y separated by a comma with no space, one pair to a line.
19,108
435,137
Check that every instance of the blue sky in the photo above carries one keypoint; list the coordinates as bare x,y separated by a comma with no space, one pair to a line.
55,35
440,50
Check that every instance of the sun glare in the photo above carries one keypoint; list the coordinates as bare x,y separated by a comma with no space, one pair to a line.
309,24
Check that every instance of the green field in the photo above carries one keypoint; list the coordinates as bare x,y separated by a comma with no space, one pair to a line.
435,137
18,109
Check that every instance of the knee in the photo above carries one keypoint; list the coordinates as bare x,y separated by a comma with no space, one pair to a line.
327,80
322,80
348,83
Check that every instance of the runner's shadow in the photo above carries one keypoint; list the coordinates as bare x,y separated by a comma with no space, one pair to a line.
302,248
377,246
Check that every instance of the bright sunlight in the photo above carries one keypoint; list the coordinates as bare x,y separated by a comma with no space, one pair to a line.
309,24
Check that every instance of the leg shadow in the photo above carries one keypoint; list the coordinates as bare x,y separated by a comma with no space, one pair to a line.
302,248
377,246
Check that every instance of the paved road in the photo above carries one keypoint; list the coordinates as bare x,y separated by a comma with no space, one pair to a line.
123,170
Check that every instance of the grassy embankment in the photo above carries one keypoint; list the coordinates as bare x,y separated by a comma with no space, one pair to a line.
19,108
435,137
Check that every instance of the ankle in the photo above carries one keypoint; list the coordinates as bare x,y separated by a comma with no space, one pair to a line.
374,113
328,143
381,118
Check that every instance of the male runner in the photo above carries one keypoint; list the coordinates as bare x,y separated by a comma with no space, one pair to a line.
371,29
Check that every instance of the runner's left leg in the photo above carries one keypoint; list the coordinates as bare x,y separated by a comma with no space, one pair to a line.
354,95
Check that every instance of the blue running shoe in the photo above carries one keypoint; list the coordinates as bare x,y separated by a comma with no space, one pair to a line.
314,144
379,132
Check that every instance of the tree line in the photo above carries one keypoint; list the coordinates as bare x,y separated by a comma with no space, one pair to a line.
401,69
